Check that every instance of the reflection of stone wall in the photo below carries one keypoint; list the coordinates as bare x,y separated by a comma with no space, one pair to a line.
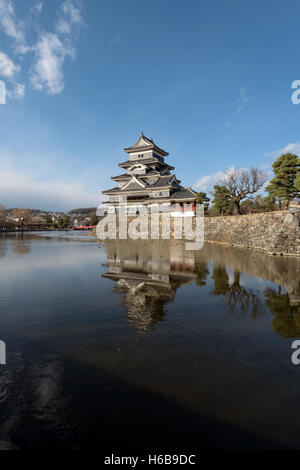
171,257
282,271
273,232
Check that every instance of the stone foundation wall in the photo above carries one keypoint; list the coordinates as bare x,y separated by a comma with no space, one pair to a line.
277,233
274,232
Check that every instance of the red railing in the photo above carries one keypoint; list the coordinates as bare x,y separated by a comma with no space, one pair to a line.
84,227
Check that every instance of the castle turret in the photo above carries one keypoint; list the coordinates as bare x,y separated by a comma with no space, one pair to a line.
148,179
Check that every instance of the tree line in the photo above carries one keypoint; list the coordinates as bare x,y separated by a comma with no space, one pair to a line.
237,191
23,217
11,219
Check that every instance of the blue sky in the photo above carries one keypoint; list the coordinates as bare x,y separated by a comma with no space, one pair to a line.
210,81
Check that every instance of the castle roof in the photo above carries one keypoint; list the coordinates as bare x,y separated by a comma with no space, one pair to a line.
125,176
144,144
140,186
184,193
144,175
145,161
164,181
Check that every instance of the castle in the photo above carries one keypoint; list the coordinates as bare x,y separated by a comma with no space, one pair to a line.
148,179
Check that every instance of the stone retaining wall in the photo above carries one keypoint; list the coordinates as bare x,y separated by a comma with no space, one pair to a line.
274,232
277,233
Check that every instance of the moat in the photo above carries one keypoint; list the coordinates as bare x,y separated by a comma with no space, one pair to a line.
144,345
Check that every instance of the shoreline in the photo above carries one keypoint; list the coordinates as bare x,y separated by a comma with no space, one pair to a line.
36,230
274,233
254,248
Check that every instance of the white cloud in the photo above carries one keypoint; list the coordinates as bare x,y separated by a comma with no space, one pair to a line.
52,50
72,10
47,72
17,91
243,99
63,27
289,148
12,26
207,182
7,67
48,182
49,52
17,188
2,92
69,17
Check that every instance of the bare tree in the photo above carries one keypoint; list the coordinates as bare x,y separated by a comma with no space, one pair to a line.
3,215
242,183
22,214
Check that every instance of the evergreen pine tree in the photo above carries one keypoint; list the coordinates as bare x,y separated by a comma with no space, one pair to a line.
282,186
202,198
221,202
297,184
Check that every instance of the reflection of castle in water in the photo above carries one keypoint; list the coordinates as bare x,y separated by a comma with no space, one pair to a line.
148,275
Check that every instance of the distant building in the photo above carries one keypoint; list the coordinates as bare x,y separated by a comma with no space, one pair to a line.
148,179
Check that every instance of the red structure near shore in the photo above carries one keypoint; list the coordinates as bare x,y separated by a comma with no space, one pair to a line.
84,227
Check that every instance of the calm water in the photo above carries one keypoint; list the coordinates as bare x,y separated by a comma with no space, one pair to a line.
146,346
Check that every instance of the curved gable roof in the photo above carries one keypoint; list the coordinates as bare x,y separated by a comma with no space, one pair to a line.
145,144
134,183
